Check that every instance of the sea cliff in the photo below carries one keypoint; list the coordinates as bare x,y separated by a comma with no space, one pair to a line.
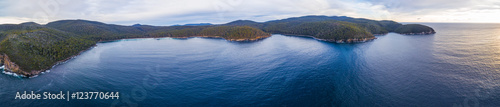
12,67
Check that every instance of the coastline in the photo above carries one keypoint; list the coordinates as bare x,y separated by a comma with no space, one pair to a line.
236,40
421,33
185,37
35,73
355,40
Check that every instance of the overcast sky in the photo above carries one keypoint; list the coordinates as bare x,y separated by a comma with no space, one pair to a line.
170,12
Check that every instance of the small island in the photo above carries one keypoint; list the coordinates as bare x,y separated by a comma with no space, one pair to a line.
28,49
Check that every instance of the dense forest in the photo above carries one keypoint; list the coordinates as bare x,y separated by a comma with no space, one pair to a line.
35,47
325,30
414,29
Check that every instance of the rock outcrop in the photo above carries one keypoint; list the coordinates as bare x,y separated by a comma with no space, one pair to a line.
9,66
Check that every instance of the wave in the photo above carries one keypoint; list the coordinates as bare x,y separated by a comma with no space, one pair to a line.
45,86
33,76
11,73
47,71
22,76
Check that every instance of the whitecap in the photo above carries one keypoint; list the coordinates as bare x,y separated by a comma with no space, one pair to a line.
13,74
33,76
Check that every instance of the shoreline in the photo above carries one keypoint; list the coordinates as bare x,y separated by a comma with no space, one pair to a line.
186,37
35,73
355,40
421,33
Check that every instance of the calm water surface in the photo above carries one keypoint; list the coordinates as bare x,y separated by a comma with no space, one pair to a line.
458,66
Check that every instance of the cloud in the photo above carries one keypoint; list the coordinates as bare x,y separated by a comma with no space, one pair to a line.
169,12
442,10
414,5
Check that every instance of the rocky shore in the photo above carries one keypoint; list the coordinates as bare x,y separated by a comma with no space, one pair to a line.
229,39
249,39
12,67
420,33
353,40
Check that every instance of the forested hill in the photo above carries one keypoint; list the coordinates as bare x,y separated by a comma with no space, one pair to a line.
372,26
335,28
30,48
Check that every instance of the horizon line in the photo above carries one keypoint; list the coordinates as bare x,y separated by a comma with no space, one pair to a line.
250,20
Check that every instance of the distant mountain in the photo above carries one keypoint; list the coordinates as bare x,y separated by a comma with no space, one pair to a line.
30,48
196,24
136,25
199,24
246,23
30,23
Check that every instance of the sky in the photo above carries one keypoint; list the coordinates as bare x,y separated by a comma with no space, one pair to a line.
172,12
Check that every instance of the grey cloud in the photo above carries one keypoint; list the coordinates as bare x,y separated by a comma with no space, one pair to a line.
412,5
168,12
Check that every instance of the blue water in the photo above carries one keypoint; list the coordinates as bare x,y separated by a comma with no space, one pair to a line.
458,66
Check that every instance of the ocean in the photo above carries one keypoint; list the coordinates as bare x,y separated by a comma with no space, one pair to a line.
457,66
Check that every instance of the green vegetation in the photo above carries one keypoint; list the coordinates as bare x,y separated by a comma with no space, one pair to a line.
246,23
327,30
374,27
332,28
36,47
234,32
415,29
223,31
97,31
